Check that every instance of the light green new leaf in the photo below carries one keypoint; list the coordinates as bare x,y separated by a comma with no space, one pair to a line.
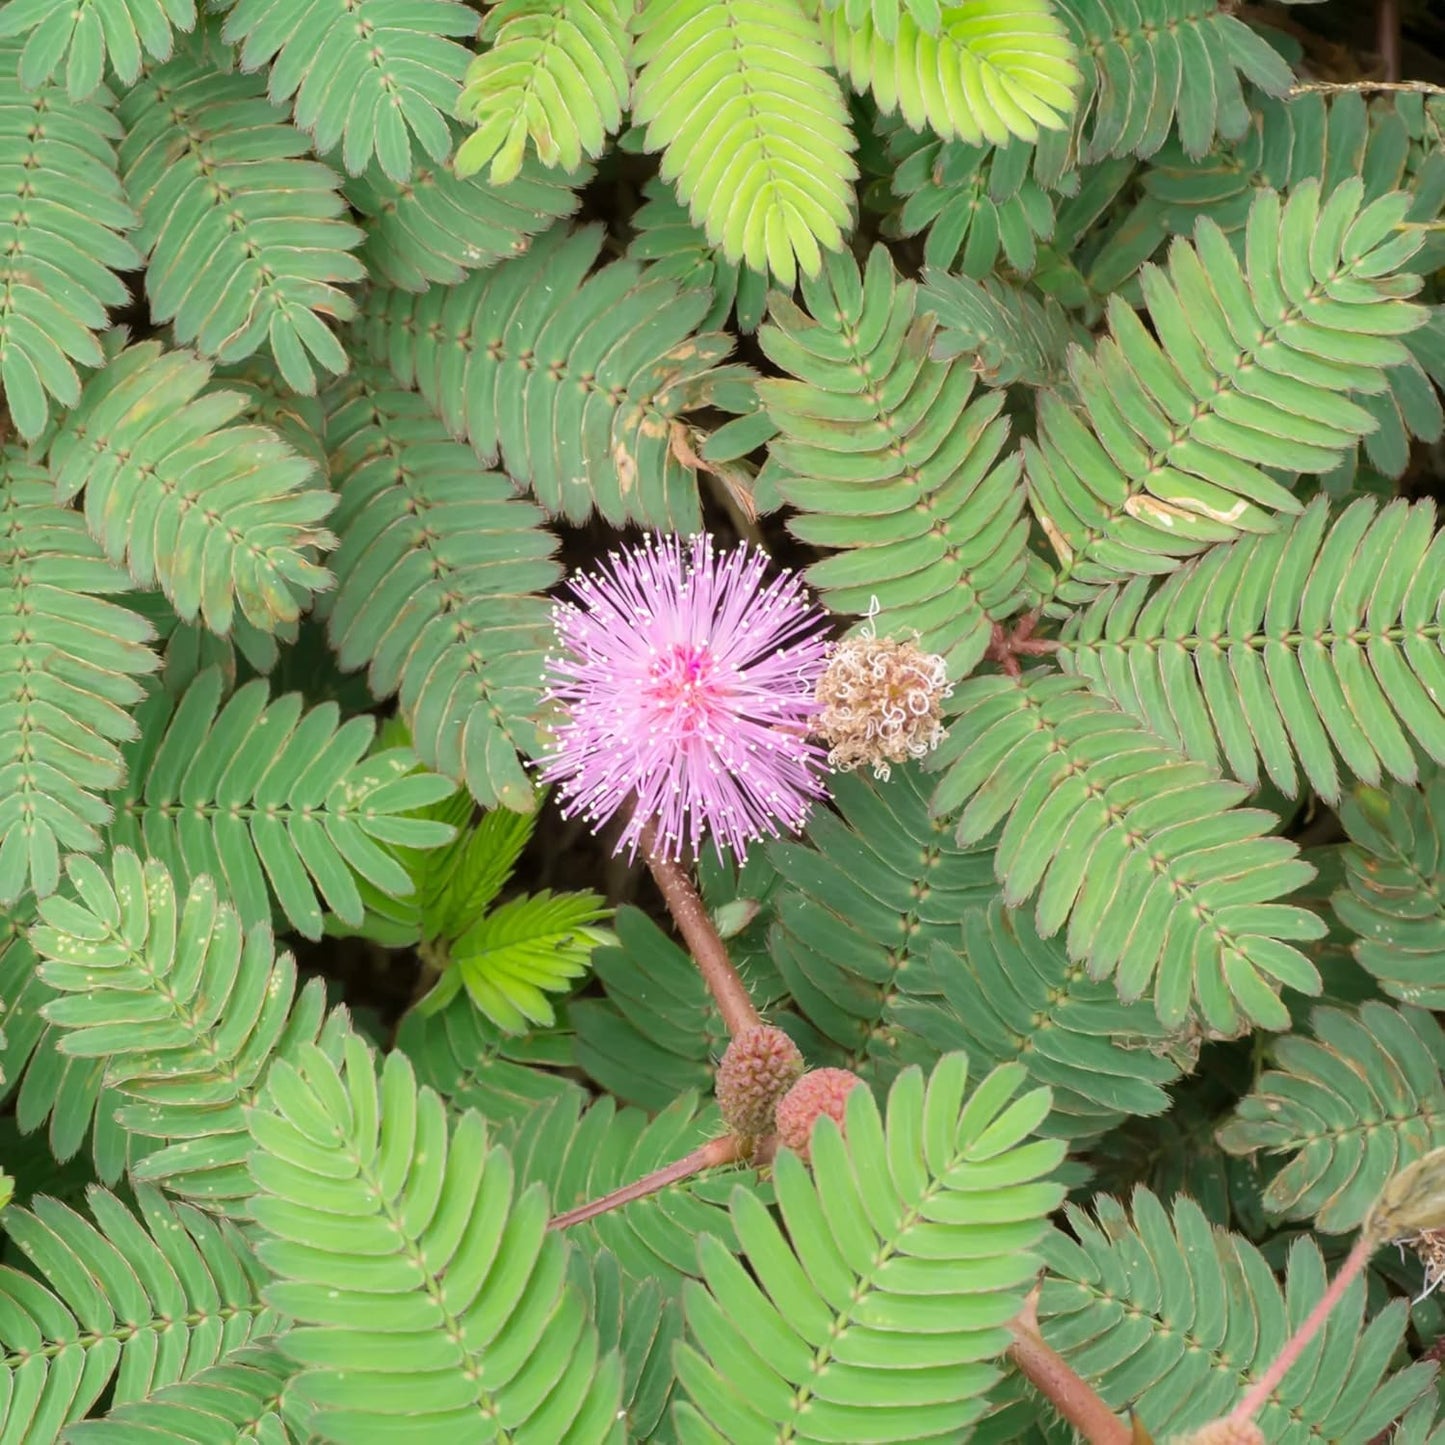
182,1012
514,956
430,1298
557,73
376,77
875,1309
62,238
245,239
1164,882
229,522
753,127
73,661
986,71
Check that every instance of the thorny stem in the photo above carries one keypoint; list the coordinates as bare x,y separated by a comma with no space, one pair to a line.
1269,1382
708,951
1071,1396
727,1150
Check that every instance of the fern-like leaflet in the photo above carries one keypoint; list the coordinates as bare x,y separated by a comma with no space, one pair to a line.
753,127
245,241
556,73
376,77
58,254
184,1011
840,1339
76,663
1177,439
1165,884
1319,640
229,524
892,460
457,1320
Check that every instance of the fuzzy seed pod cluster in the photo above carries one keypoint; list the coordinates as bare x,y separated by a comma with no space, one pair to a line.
760,1066
818,1092
762,1089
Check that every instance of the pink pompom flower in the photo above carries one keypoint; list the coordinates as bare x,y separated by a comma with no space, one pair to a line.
687,682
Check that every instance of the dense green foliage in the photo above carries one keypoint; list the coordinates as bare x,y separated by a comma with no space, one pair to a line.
1095,345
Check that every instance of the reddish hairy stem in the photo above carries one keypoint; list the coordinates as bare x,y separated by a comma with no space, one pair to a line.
1294,1347
1071,1396
708,1156
708,951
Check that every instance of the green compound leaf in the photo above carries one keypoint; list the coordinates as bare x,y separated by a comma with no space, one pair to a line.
1153,65
656,1034
581,1151
512,958
376,77
1351,1105
557,73
875,1309
1175,1319
436,227
1016,996
229,522
245,241
430,1297
58,255
549,368
1319,641
753,127
274,800
1165,884
977,206
642,1325
1395,898
1178,438
181,1013
74,661
439,571
863,904
472,1064
988,70
892,460
132,1304
240,1396
85,35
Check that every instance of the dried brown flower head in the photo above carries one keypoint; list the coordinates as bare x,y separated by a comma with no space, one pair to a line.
881,702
